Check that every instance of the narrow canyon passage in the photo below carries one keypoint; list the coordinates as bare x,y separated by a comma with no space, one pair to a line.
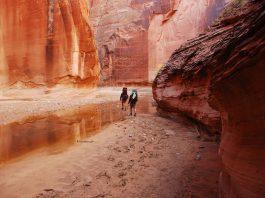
100,151
63,64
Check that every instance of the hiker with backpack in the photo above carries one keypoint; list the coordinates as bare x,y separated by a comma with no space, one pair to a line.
132,101
123,98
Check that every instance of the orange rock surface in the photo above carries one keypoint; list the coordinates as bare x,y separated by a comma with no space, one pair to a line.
44,42
223,71
136,37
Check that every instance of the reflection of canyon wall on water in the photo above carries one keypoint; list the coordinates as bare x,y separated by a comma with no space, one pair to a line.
136,37
223,71
59,130
46,42
55,132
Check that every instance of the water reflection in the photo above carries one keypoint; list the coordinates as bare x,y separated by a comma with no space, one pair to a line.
56,132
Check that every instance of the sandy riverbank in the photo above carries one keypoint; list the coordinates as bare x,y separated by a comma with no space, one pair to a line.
16,104
137,157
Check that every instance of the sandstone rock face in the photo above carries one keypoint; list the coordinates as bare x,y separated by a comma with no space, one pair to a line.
135,37
224,69
46,42
168,31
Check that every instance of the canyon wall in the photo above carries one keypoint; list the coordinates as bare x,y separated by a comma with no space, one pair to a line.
46,42
223,69
135,37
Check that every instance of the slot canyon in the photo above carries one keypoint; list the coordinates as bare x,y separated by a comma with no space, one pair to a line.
192,124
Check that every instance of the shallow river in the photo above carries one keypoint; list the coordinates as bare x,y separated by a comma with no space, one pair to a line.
56,132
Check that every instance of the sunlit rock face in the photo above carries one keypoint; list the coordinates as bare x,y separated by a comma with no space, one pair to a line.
46,42
223,69
136,37
185,20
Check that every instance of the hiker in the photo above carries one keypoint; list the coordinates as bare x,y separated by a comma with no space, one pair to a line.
132,101
123,98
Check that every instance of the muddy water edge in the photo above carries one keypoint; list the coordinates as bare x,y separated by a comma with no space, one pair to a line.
56,132
100,151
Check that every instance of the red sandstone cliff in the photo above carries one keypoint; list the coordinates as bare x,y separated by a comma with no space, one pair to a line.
224,69
136,37
46,42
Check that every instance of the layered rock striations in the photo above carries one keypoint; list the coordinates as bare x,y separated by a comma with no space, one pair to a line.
184,21
135,37
46,42
223,71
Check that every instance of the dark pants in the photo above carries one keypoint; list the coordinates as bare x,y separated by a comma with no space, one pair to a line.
133,107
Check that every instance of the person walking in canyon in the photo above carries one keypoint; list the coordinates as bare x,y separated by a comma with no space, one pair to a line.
123,98
132,101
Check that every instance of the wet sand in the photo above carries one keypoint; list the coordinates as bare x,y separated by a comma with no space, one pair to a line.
17,104
142,156
57,131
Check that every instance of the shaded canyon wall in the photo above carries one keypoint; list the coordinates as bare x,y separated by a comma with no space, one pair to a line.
223,71
135,37
46,42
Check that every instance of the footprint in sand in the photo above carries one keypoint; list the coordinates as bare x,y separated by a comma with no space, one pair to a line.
157,148
141,139
119,164
153,155
104,175
141,159
142,150
87,183
122,174
126,149
117,149
122,182
49,193
109,147
76,180
129,166
111,158
132,139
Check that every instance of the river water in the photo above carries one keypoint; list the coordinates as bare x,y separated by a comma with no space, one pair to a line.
56,132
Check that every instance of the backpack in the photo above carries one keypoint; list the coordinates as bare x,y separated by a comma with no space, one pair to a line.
124,95
124,90
134,96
